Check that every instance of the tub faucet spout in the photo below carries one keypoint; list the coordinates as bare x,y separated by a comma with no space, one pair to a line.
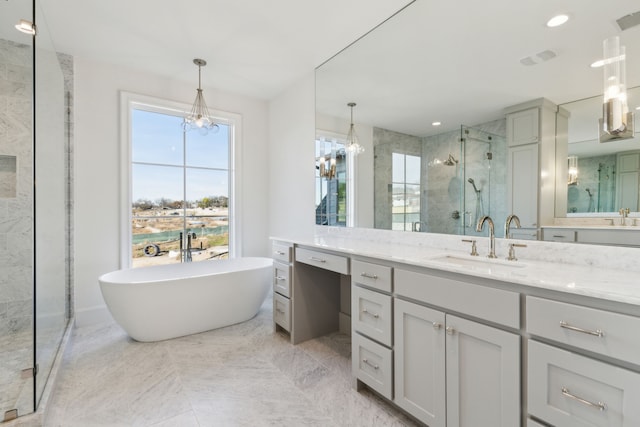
492,235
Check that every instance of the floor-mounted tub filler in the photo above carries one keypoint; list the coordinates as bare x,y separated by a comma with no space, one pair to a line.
168,301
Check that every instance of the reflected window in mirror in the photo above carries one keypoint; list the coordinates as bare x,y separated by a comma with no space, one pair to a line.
405,184
334,189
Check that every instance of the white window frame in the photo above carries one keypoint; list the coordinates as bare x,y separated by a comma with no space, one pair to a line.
130,101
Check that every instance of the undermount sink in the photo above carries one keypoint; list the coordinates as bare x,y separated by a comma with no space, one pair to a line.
486,265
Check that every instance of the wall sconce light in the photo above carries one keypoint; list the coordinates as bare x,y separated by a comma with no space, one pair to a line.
199,117
572,170
617,121
26,27
353,144
328,172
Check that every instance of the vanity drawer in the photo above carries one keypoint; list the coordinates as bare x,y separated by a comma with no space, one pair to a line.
371,314
336,263
282,311
559,235
372,364
566,389
495,305
281,252
281,279
599,331
372,275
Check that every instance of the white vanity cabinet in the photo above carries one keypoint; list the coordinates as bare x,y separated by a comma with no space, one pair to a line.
437,354
282,254
531,158
576,379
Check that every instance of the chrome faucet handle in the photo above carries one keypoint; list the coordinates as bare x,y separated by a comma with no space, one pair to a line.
512,251
474,248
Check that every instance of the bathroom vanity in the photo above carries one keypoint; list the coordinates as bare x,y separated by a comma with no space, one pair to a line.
448,337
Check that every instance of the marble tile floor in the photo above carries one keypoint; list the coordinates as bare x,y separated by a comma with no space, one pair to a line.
242,375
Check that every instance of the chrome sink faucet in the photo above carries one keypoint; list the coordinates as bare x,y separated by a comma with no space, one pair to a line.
492,235
507,225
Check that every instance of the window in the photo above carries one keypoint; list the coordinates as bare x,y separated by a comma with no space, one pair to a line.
405,206
179,187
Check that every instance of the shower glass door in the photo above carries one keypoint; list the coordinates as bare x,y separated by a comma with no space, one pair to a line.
16,212
483,186
50,205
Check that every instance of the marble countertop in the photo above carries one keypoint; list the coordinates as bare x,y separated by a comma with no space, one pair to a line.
597,282
595,227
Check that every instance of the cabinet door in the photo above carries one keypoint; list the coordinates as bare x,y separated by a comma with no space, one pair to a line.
523,127
522,184
420,362
483,375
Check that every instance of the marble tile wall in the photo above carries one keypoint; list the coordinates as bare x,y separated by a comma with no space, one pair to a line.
16,213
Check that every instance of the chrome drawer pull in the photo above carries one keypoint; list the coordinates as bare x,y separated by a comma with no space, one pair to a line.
450,330
364,310
437,325
312,258
280,253
280,278
369,276
596,333
374,366
600,406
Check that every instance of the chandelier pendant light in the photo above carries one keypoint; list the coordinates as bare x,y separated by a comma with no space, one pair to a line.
353,144
199,118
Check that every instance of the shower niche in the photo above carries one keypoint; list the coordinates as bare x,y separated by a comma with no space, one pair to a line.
441,183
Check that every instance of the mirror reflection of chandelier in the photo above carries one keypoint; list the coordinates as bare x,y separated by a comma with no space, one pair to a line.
617,121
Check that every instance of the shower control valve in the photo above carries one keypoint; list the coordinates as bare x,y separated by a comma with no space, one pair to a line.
474,248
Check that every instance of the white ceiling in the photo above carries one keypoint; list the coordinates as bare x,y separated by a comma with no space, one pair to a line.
253,47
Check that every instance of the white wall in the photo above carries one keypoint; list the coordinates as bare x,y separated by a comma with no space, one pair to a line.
291,160
97,170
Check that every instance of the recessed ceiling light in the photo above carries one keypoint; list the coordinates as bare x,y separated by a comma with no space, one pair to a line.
436,124
557,20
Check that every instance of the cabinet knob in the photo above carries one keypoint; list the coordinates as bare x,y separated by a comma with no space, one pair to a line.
450,330
437,325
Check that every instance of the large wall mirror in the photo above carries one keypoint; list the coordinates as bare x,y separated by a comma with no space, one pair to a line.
431,87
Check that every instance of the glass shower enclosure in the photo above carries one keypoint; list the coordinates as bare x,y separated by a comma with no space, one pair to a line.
34,209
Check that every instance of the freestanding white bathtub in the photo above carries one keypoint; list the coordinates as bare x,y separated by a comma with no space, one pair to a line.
168,301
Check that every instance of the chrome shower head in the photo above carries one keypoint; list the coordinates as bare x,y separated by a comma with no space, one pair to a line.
451,161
